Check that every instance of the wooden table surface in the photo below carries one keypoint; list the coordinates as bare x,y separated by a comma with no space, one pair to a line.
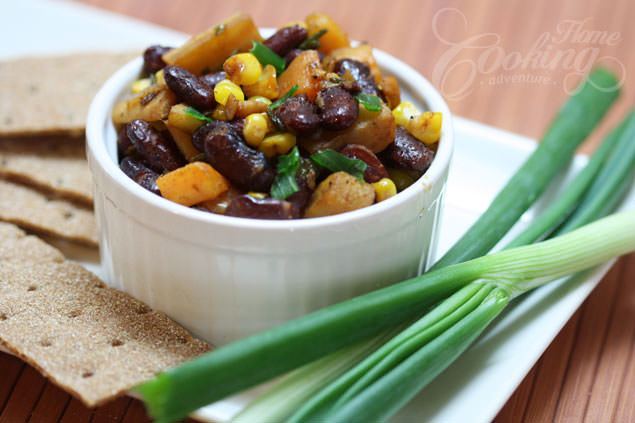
507,64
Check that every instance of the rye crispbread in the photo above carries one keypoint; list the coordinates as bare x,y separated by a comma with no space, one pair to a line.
35,211
51,95
55,164
92,340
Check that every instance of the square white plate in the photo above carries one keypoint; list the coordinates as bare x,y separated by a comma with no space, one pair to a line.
477,385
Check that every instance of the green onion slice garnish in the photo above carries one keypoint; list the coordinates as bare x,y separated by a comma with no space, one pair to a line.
336,162
313,43
197,115
284,98
372,103
284,184
266,56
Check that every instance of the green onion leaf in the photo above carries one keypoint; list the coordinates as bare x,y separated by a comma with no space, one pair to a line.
336,162
266,56
284,98
197,115
284,184
313,43
372,103
198,158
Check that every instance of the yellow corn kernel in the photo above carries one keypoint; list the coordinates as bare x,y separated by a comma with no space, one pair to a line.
261,99
243,68
426,127
384,189
404,113
266,85
224,88
180,118
219,113
255,129
159,78
140,85
258,195
277,144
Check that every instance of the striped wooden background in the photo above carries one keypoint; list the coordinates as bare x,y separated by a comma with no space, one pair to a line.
588,373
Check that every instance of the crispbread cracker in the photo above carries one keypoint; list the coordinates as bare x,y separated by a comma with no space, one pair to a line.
55,164
33,210
94,341
51,95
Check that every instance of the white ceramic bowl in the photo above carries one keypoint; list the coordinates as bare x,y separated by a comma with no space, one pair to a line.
225,277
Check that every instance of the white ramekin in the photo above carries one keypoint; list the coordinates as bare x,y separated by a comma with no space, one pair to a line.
225,277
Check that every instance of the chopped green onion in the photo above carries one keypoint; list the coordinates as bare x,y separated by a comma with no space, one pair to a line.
198,157
219,29
313,43
372,103
337,162
266,56
284,98
285,184
196,114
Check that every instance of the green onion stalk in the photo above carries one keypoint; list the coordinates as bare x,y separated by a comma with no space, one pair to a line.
263,356
610,171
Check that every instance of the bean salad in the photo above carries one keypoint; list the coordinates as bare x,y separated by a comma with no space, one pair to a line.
299,125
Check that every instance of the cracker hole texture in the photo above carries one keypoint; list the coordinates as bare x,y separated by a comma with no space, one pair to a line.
3,316
116,343
74,314
46,342
88,374
68,214
31,288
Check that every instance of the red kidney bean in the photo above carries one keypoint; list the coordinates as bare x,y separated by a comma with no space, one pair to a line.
292,54
154,146
407,152
286,39
137,171
298,114
262,208
338,108
124,146
211,79
247,169
360,73
153,58
188,88
375,170
301,197
198,137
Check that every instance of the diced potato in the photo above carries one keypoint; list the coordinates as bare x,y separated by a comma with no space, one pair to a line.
338,193
390,87
179,118
362,53
192,184
152,104
303,71
210,48
183,140
375,130
266,86
333,39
